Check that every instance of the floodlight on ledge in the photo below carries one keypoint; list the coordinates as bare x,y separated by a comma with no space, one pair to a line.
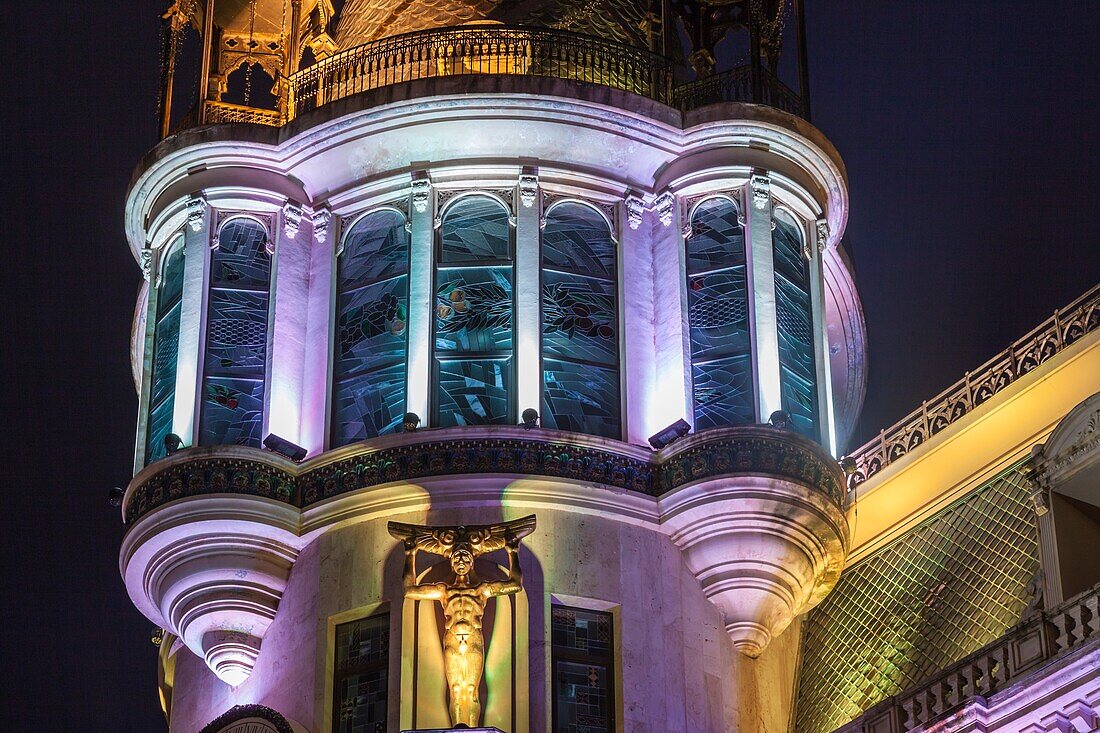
284,447
410,422
673,432
172,443
530,418
780,419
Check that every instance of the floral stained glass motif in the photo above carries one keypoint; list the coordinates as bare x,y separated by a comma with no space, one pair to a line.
166,332
721,366
360,680
473,314
794,319
235,362
580,323
582,654
371,318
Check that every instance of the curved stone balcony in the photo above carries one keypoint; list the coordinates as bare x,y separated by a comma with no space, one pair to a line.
502,50
213,532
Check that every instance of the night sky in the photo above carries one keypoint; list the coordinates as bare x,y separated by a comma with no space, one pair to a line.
969,132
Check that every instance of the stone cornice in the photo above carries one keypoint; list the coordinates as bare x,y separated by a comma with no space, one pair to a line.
749,450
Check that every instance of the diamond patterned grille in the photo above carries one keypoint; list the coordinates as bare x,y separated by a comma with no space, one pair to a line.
951,585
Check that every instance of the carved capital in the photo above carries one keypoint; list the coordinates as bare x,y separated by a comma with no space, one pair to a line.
145,259
634,208
292,219
322,219
421,193
761,186
664,205
822,235
528,189
196,212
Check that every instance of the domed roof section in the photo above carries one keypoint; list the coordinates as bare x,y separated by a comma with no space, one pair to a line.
368,20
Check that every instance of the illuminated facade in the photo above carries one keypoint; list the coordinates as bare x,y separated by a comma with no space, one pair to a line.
456,264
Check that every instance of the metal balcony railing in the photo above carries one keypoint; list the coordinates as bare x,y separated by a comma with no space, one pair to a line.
502,50
1066,326
1036,640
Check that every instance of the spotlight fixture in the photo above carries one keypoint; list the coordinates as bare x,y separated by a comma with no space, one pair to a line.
780,419
114,496
172,443
530,418
410,422
675,431
284,447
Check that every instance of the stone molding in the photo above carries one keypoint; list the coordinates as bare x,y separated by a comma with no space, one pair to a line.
242,713
748,450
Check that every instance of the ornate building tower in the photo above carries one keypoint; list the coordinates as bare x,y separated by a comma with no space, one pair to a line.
452,263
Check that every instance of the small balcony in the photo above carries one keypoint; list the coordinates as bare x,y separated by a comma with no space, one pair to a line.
509,51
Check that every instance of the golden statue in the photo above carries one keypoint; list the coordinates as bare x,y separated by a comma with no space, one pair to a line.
464,598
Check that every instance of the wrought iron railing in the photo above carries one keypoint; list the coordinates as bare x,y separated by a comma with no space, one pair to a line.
1066,326
499,49
738,85
481,50
1040,638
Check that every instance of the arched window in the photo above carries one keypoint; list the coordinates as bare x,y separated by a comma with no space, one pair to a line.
721,349
166,341
372,295
580,323
473,361
236,336
794,321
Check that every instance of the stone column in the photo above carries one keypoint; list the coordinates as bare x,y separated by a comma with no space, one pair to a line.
761,285
198,239
527,324
670,399
290,310
820,329
421,257
318,348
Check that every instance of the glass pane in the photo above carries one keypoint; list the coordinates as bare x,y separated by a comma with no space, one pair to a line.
580,398
473,309
577,238
718,314
376,248
582,698
581,630
475,229
160,424
360,678
166,341
717,240
368,405
236,337
473,392
232,412
171,279
723,392
797,373
370,327
579,319
240,260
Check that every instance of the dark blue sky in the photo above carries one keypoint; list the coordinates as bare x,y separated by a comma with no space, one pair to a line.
969,132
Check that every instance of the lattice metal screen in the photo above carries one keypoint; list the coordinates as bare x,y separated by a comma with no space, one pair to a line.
950,586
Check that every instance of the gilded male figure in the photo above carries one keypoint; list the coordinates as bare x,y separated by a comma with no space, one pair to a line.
464,598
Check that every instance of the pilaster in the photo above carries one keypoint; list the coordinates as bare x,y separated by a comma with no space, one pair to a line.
322,263
197,242
761,285
290,300
527,326
421,256
816,252
670,398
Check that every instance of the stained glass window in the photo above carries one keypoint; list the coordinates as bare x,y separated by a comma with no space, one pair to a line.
372,295
582,653
166,338
718,317
473,314
236,336
794,321
580,323
360,679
